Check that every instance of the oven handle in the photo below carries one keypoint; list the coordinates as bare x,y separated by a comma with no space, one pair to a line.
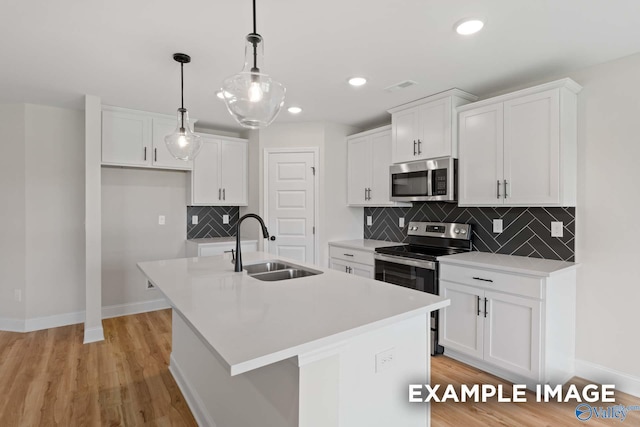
428,265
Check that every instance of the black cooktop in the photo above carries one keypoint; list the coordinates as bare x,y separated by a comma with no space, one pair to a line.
418,252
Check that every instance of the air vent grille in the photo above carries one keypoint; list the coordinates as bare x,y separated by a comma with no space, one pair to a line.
402,85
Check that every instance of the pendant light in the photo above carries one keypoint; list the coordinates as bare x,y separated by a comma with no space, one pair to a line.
252,97
183,144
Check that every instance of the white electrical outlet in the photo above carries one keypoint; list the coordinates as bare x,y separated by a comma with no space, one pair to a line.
369,220
557,229
385,359
17,295
497,226
225,219
401,222
161,220
194,219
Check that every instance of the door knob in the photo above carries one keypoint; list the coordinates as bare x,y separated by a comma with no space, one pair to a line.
272,238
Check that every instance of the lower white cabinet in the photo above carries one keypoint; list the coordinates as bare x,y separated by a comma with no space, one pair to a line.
518,327
352,261
214,246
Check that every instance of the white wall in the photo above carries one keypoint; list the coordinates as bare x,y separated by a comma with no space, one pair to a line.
12,214
132,200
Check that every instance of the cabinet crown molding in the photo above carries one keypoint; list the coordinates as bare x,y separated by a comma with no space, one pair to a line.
447,93
565,83
370,131
146,113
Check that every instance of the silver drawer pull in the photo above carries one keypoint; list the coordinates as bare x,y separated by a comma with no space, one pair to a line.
484,280
348,254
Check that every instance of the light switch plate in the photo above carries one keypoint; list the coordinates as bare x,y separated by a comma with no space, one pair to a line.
401,222
497,226
225,219
369,220
161,220
194,219
385,359
557,229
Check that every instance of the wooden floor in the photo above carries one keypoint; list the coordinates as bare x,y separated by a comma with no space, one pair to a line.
49,378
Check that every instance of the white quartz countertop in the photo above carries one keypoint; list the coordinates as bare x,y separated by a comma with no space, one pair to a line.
364,244
251,323
509,263
219,240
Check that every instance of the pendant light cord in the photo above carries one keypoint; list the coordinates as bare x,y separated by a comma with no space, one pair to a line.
255,42
182,110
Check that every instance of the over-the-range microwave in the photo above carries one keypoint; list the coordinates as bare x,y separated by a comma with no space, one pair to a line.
424,181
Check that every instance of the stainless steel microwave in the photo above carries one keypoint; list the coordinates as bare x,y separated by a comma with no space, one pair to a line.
424,181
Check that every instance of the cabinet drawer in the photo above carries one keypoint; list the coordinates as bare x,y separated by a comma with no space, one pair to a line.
494,280
362,257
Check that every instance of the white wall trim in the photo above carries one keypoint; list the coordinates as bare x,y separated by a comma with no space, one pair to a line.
316,189
603,375
195,404
134,308
93,335
55,321
11,325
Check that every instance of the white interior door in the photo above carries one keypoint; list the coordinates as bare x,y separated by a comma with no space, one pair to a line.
290,197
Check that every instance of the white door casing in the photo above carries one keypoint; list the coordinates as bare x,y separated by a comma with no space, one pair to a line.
290,199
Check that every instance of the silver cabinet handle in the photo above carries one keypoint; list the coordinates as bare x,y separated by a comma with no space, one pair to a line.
219,193
484,280
369,194
350,270
498,189
155,154
365,194
485,308
505,189
419,150
145,153
348,254
414,147
478,301
346,268
224,194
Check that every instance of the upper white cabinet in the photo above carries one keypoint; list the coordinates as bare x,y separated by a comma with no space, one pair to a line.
369,156
519,149
426,128
219,175
136,138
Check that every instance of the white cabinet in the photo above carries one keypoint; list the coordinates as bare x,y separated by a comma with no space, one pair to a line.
369,156
218,246
520,149
351,261
518,327
427,128
136,138
219,175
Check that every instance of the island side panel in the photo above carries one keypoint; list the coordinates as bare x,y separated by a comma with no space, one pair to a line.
265,397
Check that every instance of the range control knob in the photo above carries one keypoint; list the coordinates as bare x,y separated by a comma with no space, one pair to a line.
463,231
457,231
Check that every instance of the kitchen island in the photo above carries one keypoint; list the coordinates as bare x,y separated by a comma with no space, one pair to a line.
325,350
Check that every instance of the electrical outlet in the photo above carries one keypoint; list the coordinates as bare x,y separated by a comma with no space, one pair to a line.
497,226
161,220
225,219
369,220
194,219
385,359
150,285
401,222
557,229
17,295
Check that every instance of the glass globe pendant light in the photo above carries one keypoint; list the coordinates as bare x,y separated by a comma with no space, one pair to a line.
183,144
252,97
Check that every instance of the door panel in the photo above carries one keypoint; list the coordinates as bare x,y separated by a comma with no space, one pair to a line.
461,327
205,179
380,162
291,205
126,138
405,126
161,157
359,170
436,129
233,173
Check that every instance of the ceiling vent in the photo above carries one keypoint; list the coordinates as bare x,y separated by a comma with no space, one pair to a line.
402,85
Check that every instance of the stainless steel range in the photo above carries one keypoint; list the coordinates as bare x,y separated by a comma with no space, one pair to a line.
415,265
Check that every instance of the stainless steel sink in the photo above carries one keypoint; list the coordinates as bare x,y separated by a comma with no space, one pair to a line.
272,271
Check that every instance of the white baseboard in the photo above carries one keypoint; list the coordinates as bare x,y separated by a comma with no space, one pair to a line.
93,335
603,375
134,308
55,321
192,399
11,325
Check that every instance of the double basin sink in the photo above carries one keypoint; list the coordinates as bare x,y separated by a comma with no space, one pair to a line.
271,271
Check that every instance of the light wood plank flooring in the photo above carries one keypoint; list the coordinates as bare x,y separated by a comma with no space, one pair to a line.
49,378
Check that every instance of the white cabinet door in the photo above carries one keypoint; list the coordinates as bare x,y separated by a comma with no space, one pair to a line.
363,270
532,149
462,322
435,123
380,162
339,265
406,131
205,177
480,167
512,333
359,170
126,138
161,157
233,173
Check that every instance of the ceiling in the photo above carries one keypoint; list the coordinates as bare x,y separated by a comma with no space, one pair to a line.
54,52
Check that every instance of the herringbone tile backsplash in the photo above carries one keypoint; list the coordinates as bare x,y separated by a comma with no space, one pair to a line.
526,231
210,221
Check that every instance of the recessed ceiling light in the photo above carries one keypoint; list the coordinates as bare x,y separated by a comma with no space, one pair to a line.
469,26
357,81
294,110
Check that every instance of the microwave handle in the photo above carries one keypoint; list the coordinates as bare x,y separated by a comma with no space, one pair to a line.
430,182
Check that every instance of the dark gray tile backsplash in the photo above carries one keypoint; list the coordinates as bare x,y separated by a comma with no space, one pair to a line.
210,221
526,231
